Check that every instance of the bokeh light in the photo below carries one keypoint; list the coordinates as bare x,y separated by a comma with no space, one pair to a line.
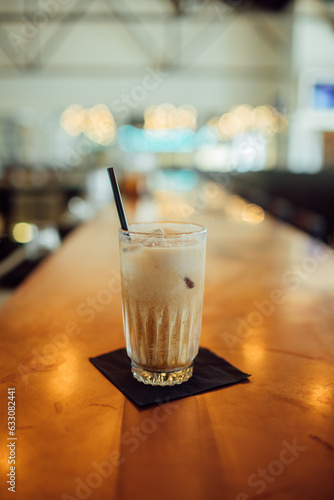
100,125
23,232
167,116
239,210
72,119
97,123
244,118
253,214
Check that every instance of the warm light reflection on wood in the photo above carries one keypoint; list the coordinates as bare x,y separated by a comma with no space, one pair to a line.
254,352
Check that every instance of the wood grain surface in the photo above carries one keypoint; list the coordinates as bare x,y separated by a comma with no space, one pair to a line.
268,309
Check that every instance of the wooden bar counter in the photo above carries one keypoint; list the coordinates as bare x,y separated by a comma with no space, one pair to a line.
268,309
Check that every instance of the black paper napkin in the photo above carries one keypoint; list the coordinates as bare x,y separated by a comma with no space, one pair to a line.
210,371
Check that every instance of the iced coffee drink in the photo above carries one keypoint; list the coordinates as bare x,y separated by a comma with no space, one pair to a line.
162,268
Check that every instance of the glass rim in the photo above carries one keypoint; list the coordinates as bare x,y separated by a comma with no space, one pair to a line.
201,229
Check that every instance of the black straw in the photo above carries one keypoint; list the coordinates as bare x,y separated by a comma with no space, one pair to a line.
118,199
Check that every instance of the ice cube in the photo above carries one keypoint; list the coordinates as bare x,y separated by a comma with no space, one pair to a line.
155,239
158,232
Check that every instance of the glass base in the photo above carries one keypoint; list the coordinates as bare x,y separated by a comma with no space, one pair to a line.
162,378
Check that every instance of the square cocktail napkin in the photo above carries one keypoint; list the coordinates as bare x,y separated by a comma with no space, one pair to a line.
210,372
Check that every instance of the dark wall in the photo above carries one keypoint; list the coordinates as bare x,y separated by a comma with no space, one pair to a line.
304,200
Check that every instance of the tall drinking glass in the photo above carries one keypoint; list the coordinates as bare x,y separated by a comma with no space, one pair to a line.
162,270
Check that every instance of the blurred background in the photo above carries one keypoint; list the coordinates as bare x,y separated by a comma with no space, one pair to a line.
224,104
